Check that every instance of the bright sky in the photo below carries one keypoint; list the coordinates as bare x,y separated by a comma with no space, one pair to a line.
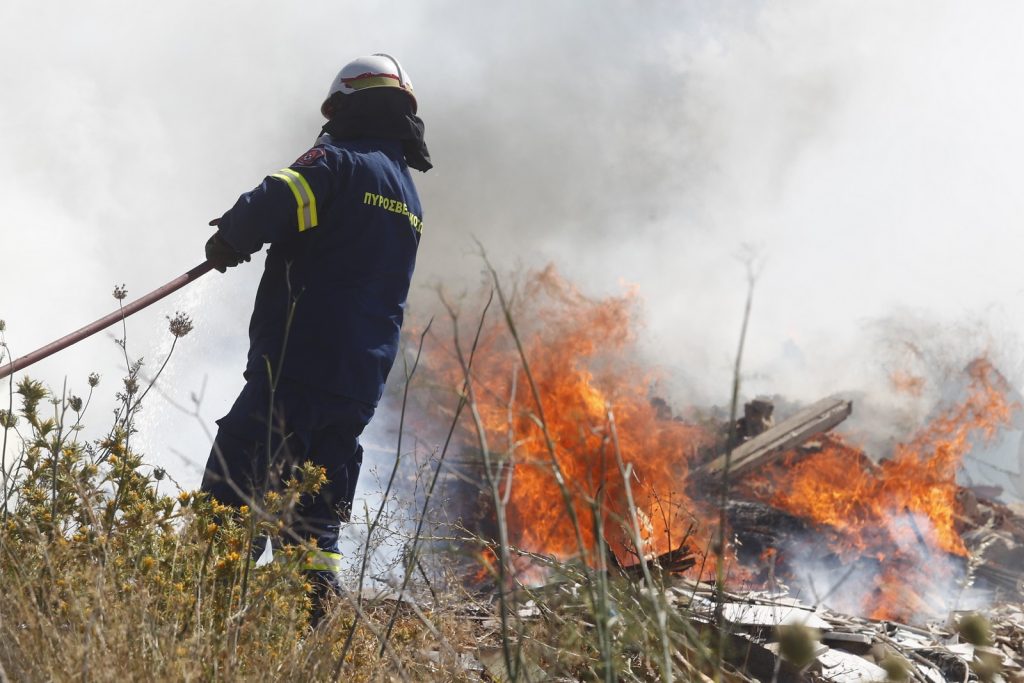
869,150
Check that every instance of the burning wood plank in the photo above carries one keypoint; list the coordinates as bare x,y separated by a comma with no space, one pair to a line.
674,561
771,444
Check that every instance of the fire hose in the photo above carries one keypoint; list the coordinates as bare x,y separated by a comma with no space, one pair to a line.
106,321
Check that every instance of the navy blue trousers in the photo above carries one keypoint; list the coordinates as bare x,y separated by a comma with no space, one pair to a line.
256,449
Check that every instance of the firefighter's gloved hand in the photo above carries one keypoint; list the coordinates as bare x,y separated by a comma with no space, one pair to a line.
222,255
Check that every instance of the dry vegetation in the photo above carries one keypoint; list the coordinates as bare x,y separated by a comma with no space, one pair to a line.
108,578
112,572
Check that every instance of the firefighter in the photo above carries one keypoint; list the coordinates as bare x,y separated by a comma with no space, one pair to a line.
343,223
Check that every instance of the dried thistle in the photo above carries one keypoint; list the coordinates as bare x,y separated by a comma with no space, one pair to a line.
8,420
896,668
120,291
975,629
797,644
180,325
987,663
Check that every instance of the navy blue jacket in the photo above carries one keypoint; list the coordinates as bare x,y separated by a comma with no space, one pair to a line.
343,223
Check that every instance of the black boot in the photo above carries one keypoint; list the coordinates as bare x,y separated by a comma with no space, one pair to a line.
324,588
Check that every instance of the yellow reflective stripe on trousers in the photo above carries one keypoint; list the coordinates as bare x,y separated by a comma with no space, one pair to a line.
317,560
321,560
305,200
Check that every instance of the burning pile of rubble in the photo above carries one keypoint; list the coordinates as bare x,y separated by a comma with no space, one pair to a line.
943,644
810,515
854,648
940,646
976,540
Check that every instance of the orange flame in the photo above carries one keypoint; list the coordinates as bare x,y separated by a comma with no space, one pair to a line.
838,486
841,489
564,448
557,426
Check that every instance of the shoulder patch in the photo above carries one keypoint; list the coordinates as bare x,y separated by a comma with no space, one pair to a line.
310,157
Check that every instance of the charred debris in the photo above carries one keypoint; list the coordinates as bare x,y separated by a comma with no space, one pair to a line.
853,648
846,647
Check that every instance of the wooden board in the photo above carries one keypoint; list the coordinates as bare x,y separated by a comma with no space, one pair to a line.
790,433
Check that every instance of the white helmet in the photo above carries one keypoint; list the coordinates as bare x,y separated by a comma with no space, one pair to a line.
374,71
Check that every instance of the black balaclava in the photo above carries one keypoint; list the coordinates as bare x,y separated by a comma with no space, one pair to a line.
380,113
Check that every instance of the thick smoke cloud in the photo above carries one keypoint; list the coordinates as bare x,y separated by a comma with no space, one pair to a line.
868,152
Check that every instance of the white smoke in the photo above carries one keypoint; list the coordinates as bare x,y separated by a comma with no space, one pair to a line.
933,582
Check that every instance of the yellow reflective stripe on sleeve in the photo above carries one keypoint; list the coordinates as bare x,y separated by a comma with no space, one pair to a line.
305,200
293,186
313,220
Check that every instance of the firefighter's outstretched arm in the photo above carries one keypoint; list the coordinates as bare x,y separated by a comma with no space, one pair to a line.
284,205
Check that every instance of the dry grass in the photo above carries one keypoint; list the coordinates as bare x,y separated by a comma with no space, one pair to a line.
106,576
